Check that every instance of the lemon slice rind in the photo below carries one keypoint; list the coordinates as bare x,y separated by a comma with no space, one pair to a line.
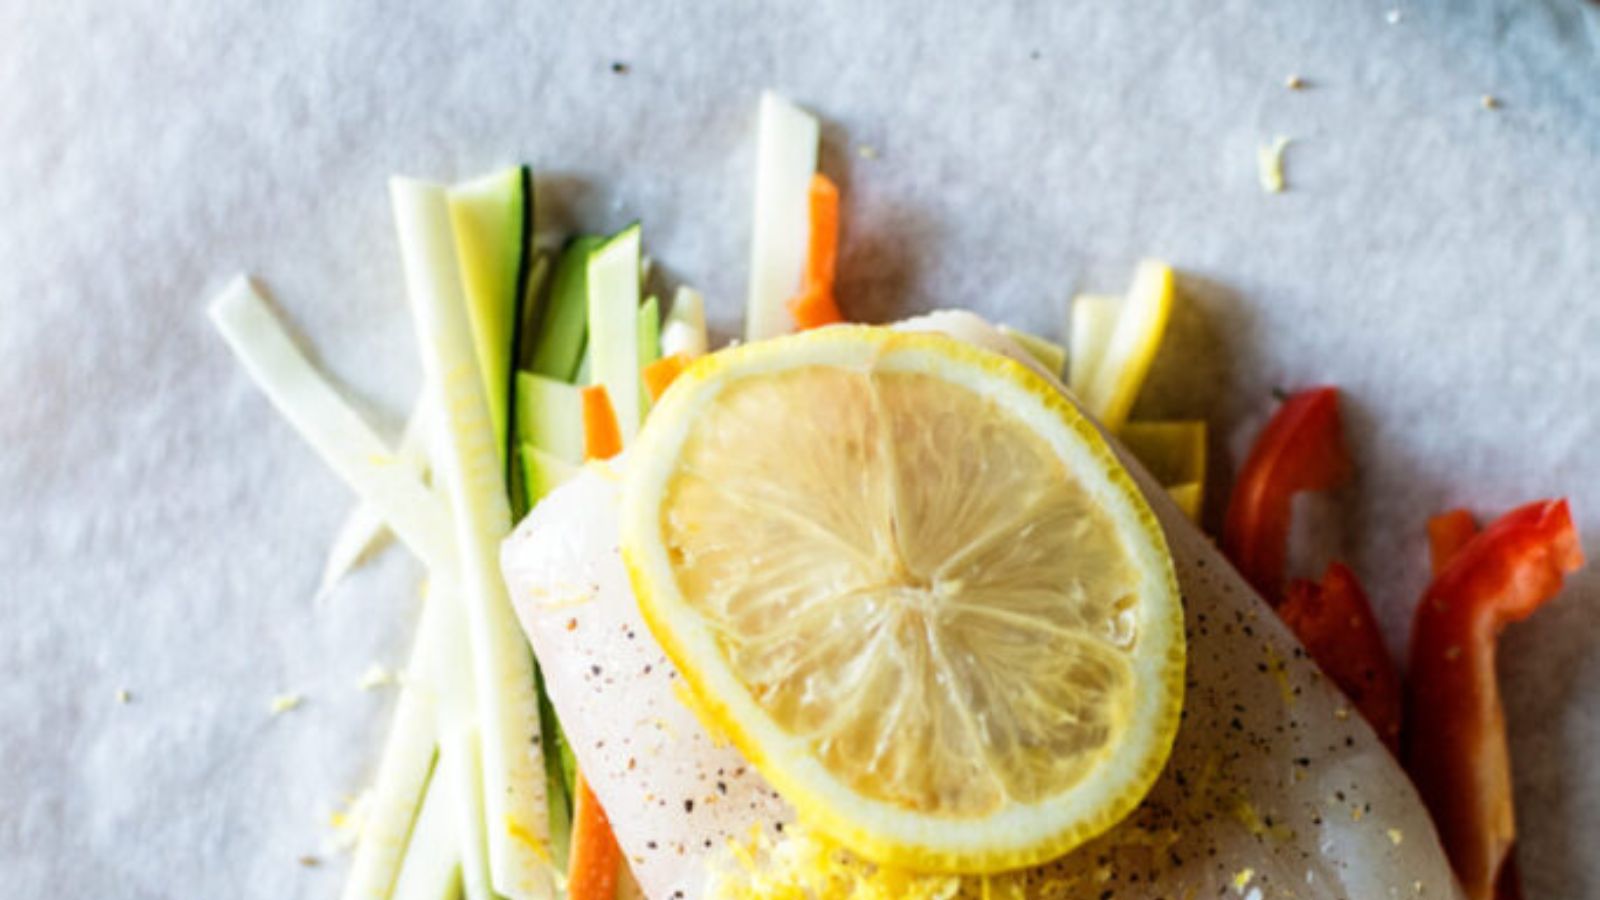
1019,834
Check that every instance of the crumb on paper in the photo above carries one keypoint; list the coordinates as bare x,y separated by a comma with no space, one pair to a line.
1392,16
1490,101
1396,836
309,861
283,703
867,151
1294,82
1269,164
124,697
377,676
347,820
619,67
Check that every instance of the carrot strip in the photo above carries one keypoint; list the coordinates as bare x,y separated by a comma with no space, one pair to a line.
822,254
601,437
814,309
1447,534
814,306
596,859
659,375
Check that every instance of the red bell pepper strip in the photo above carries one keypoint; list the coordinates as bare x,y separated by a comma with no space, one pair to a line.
1302,449
1456,747
1334,621
1447,534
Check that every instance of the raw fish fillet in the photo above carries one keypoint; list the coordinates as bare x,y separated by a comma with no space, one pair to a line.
1275,789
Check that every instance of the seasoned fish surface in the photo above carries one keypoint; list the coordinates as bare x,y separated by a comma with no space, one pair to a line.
1275,788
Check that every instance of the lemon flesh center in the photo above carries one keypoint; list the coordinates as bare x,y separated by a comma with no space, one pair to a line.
910,580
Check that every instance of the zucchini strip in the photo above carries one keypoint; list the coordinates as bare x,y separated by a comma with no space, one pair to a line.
614,327
550,417
1094,317
338,434
684,328
364,528
786,158
403,772
432,866
490,218
1128,351
468,465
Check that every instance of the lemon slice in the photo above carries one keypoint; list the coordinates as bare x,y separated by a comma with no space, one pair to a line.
908,580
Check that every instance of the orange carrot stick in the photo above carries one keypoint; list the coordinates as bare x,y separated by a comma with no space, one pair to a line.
596,860
822,254
659,375
814,306
601,438
1447,534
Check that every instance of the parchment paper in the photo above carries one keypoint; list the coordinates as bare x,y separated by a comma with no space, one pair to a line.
162,532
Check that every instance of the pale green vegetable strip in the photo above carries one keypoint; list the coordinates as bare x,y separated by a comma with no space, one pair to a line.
563,325
1128,354
461,763
550,416
543,472
343,440
1094,317
786,160
432,866
649,345
364,528
585,371
486,218
684,329
1049,354
532,311
649,331
561,785
614,327
526,327
408,757
467,464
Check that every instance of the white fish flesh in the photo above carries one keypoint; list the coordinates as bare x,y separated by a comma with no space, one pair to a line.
1275,789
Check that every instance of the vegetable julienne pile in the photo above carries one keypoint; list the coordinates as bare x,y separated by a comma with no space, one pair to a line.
536,361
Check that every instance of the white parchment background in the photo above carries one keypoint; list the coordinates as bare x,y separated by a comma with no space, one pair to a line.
162,531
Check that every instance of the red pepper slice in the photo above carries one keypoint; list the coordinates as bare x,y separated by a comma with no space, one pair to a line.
1301,449
1447,534
1456,747
1334,621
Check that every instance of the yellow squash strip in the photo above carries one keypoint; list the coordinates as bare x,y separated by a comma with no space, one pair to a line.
1125,360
